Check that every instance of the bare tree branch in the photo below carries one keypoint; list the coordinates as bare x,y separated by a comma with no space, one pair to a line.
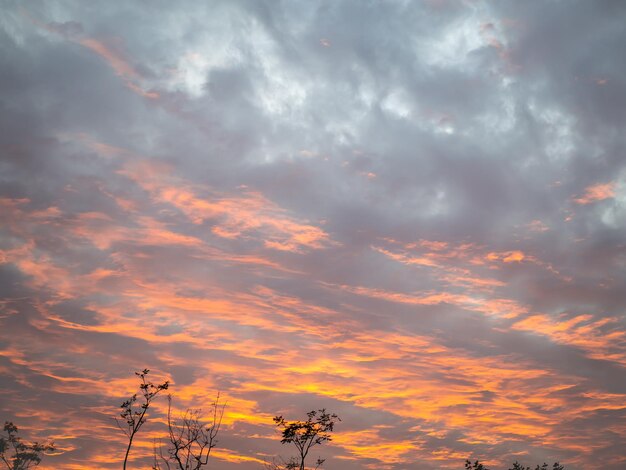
191,440
133,413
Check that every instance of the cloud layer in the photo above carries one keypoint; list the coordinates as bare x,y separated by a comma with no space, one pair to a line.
412,214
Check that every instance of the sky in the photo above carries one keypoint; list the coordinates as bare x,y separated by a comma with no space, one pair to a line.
411,214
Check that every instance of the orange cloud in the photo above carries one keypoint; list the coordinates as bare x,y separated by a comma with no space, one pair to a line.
595,337
507,256
407,259
370,444
596,192
246,214
119,64
229,319
116,59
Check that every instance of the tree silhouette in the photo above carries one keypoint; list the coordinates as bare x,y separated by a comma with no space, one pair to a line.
555,466
304,435
23,455
474,466
516,466
292,464
191,440
133,413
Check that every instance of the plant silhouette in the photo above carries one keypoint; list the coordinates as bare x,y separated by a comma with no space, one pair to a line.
134,413
555,466
18,455
474,466
304,435
191,440
516,466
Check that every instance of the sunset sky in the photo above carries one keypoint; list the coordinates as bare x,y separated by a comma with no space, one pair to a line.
412,214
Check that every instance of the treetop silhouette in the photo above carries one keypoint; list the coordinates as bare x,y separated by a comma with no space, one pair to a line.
17,454
133,413
191,438
516,466
304,435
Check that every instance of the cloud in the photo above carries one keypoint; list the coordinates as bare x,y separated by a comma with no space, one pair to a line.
595,193
410,214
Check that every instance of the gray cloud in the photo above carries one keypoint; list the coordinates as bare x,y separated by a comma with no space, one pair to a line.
411,213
